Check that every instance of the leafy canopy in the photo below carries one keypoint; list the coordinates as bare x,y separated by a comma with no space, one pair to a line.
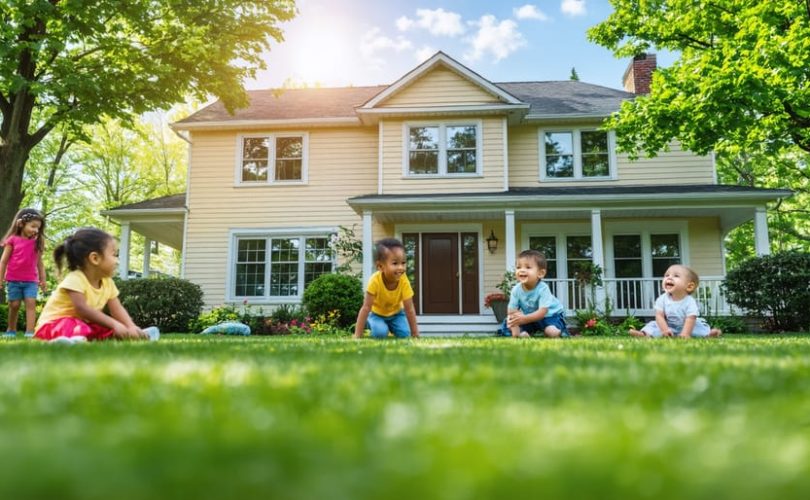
743,77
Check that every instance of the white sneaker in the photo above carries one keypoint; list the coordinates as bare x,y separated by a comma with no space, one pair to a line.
76,339
153,332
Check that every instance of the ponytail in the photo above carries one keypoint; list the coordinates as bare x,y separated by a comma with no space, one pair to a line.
76,248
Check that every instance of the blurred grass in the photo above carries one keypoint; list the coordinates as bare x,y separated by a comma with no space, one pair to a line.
305,418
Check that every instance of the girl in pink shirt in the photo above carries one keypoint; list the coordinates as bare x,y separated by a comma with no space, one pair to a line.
21,267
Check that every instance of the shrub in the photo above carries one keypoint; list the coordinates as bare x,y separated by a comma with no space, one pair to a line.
335,292
213,317
169,303
729,324
775,286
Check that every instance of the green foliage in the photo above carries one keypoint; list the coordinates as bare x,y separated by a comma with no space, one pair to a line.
4,318
728,324
775,286
349,250
335,292
507,283
741,78
169,303
316,417
215,316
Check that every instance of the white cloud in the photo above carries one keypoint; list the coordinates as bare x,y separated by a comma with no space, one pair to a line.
529,11
438,22
404,23
499,39
573,7
424,53
374,42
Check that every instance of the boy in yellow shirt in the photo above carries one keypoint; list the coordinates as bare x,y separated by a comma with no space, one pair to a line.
388,304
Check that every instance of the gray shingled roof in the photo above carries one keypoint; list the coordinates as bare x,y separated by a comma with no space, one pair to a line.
567,98
563,98
280,104
170,201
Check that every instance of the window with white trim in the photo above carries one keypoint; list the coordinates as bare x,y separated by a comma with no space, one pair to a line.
576,154
443,149
280,267
276,158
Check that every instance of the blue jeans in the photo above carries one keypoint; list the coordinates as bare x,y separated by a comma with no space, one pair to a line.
396,324
556,320
18,290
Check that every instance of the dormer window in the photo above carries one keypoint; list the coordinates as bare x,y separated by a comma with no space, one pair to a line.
443,149
576,154
273,159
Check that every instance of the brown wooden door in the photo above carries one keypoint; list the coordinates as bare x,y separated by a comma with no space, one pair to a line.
440,277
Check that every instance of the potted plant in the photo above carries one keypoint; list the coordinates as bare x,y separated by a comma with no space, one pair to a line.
497,301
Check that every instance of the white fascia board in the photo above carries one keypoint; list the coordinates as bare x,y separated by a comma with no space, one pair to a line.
242,124
145,211
481,108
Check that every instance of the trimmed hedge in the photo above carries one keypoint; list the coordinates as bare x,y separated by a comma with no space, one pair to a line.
775,286
169,303
335,292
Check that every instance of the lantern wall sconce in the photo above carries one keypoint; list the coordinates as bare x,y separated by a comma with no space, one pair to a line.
492,242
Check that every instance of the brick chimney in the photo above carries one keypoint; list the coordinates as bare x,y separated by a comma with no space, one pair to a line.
638,75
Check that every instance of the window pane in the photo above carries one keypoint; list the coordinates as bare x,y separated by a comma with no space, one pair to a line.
559,143
595,165
579,247
250,268
666,251
594,142
317,259
411,242
284,267
424,138
289,147
461,162
627,246
288,170
254,170
547,245
424,162
560,166
255,147
461,137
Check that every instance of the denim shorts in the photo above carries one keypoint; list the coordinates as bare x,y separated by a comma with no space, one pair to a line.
18,290
556,320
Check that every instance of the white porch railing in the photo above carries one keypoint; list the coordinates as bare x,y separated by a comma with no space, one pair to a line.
636,296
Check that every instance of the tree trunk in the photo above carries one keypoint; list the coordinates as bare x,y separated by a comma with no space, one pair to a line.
12,165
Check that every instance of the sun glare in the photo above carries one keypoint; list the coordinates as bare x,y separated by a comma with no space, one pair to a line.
322,52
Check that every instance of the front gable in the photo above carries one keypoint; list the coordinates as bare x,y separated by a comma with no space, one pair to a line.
440,87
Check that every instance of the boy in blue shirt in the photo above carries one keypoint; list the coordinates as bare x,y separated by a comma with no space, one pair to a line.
532,306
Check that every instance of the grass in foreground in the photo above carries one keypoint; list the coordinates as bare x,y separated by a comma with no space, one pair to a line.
304,418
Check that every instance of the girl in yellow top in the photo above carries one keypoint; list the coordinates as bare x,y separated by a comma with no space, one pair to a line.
389,297
75,311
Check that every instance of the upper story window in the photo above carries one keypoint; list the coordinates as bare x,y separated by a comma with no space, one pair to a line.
270,159
576,154
443,149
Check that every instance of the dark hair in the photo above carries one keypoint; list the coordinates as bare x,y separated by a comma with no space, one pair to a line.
77,247
23,217
385,245
538,258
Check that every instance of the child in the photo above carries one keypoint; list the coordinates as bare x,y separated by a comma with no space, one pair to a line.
21,266
74,312
389,296
676,311
532,306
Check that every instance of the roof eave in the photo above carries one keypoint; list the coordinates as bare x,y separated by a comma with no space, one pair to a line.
247,124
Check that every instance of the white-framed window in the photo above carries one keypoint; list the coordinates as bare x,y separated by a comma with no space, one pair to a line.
577,154
442,149
277,266
272,159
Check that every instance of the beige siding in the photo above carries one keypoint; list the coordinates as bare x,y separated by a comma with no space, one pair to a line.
440,87
394,153
342,163
705,246
673,167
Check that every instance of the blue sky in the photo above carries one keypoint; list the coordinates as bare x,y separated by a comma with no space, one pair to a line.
370,42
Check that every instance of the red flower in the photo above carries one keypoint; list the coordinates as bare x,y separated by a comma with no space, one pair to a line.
492,297
591,323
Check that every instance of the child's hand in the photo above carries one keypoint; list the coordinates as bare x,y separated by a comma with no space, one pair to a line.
667,333
42,286
514,318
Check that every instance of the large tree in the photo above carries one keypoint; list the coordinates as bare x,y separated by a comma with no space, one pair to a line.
742,79
66,63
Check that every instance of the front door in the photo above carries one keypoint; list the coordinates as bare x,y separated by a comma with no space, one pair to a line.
449,270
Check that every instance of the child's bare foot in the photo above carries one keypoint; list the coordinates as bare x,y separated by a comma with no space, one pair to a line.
715,332
552,332
636,333
524,335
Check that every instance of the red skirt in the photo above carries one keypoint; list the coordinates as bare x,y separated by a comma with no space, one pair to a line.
71,327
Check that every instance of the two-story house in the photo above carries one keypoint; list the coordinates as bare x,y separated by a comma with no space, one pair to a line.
466,171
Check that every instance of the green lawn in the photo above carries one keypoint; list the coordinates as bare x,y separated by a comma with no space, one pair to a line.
314,418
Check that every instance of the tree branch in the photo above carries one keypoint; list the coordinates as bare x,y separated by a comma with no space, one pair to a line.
802,121
800,141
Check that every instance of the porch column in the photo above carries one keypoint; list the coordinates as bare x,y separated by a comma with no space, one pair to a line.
147,256
511,253
123,252
368,254
598,252
761,243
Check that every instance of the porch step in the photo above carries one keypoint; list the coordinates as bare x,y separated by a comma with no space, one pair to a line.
479,325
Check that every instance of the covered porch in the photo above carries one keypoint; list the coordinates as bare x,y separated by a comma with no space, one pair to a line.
159,220
604,218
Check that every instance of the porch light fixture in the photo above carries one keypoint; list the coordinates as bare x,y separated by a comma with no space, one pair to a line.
492,242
